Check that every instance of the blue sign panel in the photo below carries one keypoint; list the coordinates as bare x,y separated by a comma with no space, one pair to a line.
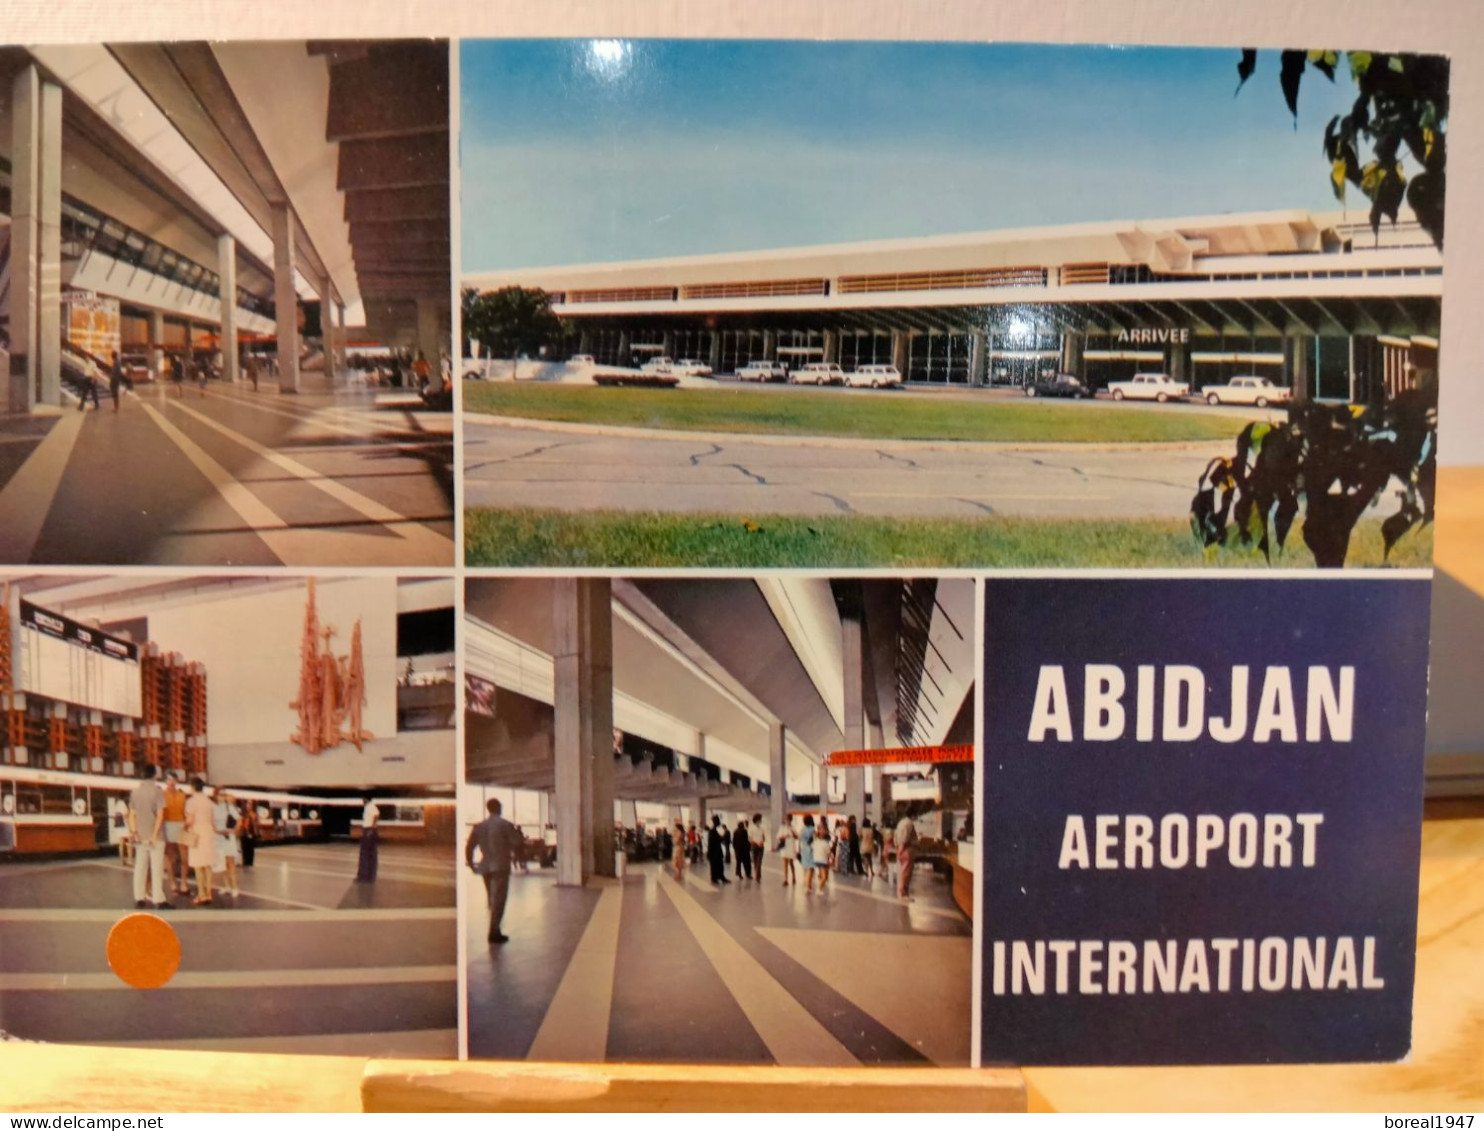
1202,818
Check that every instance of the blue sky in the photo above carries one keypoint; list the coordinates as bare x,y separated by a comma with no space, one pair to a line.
580,151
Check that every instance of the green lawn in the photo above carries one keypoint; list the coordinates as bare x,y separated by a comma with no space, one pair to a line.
615,539
880,416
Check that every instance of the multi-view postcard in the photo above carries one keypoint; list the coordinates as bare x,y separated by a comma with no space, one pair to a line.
224,282
676,635
869,304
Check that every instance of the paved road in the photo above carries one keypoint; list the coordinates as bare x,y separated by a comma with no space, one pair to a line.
565,468
234,477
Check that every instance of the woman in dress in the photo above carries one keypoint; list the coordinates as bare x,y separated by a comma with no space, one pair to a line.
200,820
228,849
788,852
868,849
678,852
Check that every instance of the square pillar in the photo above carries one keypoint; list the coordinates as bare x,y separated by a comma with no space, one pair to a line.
342,341
855,736
430,341
285,298
156,345
226,269
978,358
35,371
899,351
714,357
1073,347
777,778
583,666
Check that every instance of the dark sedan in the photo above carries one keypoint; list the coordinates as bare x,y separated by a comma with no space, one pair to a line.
1062,385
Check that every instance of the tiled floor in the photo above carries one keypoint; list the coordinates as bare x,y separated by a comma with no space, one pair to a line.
302,960
644,969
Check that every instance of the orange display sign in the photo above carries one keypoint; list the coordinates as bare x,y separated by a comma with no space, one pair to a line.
898,755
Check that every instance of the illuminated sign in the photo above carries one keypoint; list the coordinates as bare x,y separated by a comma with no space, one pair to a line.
903,754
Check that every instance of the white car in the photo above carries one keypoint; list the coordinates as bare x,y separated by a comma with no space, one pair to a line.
1257,391
818,373
690,367
662,365
873,376
1159,387
762,371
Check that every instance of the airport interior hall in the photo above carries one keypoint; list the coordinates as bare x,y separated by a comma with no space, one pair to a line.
225,267
210,752
606,719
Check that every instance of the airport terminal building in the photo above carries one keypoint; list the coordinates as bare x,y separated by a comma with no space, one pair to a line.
1314,301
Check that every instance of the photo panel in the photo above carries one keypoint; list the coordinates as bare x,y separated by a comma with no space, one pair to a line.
232,260
839,304
227,812
721,820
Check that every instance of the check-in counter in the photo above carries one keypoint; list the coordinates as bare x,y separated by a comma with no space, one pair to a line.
962,866
51,832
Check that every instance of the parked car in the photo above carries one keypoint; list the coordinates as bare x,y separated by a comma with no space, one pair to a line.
1159,387
658,365
818,373
1059,385
690,367
873,376
762,371
1254,390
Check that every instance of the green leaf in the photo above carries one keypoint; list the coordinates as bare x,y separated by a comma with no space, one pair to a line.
1245,66
1360,62
1337,176
1289,77
1397,65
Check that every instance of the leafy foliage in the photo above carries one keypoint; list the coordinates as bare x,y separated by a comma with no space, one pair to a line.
510,321
1400,109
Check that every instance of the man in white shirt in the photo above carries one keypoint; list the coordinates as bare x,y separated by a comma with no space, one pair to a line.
757,835
906,841
146,822
370,839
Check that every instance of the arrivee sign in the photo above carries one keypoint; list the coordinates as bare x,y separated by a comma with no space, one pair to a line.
1202,812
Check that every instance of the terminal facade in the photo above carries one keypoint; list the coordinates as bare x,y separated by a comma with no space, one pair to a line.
1316,302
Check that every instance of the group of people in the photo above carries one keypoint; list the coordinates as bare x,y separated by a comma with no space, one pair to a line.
117,379
860,849
177,837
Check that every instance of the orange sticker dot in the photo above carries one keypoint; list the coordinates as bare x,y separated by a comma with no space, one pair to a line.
144,951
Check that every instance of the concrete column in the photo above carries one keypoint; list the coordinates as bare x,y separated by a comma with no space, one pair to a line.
876,740
978,358
770,346
714,360
623,348
1297,348
831,346
899,354
226,269
285,299
1073,349
156,345
342,341
429,338
583,634
36,243
777,776
668,339
855,738
1180,361
25,237
49,315
884,803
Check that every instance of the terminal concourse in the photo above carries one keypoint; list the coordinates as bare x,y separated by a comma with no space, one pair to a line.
614,716
224,311
265,723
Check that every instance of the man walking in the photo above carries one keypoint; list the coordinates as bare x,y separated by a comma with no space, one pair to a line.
499,843
146,820
758,835
906,840
370,843
115,380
